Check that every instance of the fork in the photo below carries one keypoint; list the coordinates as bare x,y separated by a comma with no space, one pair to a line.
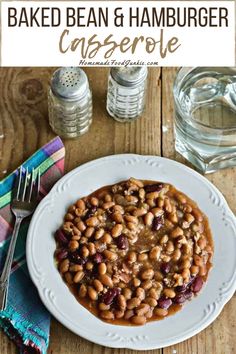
24,202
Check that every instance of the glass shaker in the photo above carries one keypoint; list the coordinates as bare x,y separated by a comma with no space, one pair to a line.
126,92
70,102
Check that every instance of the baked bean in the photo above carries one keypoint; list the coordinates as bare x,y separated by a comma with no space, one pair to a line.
92,293
140,293
165,258
202,243
177,232
68,226
176,255
151,203
83,240
155,252
137,182
170,247
202,270
128,314
127,293
131,218
164,239
82,290
142,194
103,306
158,275
147,274
181,198
194,270
108,198
80,204
142,257
118,208
106,280
117,217
102,268
132,257
173,217
111,256
68,278
78,276
140,212
73,245
106,238
71,208
157,211
148,218
138,320
108,205
79,212
132,303
94,201
117,230
76,232
121,302
99,233
160,202
198,260
167,205
119,314
136,282
84,251
189,218
89,232
152,195
89,266
147,284
92,221
160,312
142,309
81,226
69,217
97,285
131,226
107,315
197,214
155,293
75,268
64,266
170,293
186,274
91,248
151,301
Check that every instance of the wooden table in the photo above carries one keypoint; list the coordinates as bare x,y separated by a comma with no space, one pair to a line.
24,126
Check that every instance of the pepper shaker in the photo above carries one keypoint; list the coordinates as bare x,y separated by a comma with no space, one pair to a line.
70,102
126,92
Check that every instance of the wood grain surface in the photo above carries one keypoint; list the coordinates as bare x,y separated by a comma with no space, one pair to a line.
24,128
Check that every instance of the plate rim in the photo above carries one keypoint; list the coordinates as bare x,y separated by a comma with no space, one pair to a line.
131,345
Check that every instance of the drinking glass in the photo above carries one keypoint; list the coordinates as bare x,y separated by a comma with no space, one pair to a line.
205,116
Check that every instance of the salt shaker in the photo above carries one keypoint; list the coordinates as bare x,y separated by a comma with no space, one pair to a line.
70,102
126,92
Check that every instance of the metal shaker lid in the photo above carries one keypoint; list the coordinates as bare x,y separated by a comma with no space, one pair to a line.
129,76
69,83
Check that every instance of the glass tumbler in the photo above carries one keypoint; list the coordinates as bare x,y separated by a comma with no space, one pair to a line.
205,116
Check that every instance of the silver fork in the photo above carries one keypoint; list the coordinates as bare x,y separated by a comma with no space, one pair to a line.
25,199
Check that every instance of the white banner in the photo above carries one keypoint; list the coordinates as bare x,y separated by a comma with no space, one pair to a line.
155,33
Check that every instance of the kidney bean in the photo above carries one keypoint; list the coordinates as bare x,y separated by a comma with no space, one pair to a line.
122,242
179,299
164,303
153,187
110,296
62,254
188,294
181,288
157,223
165,268
197,284
61,237
76,258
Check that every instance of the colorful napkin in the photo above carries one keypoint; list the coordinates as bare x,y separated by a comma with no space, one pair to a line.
25,319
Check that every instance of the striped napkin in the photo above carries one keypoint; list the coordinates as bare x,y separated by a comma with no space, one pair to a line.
25,320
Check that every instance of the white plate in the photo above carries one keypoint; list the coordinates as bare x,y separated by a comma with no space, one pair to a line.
196,315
